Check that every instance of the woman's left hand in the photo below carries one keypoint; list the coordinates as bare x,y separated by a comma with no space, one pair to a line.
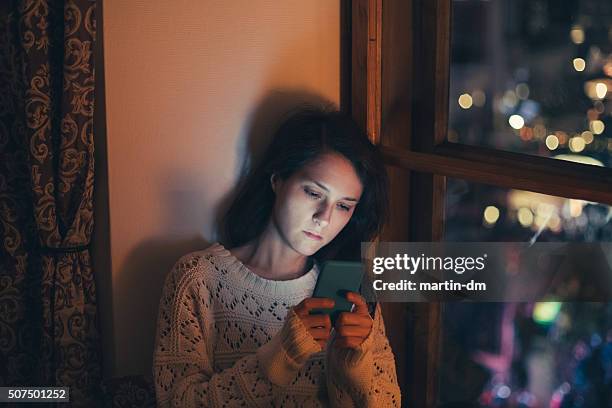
352,328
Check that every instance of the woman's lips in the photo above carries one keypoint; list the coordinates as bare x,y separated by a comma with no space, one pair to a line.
313,236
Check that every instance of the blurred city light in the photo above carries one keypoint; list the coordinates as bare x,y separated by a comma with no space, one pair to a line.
587,136
491,214
577,34
597,127
579,64
522,91
577,144
552,142
546,312
525,216
479,98
516,121
510,99
601,90
465,101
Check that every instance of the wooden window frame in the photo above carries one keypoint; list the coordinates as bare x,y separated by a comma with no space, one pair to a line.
395,69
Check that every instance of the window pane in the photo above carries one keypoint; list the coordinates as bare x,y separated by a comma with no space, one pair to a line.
533,77
525,354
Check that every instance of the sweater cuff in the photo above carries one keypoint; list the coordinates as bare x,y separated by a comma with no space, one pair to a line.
355,366
287,351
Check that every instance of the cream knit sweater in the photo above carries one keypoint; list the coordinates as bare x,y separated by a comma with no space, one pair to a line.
227,337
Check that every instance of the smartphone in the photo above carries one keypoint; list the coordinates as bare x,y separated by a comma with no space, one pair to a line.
335,279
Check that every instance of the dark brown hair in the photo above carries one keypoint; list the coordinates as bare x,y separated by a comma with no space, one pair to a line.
301,138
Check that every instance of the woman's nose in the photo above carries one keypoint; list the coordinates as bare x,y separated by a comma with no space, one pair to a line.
323,215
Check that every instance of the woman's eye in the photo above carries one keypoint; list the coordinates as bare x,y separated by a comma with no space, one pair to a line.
344,207
312,193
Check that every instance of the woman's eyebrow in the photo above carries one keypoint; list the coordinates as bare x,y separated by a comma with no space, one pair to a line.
327,189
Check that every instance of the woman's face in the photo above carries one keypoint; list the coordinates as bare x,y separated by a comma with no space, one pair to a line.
315,203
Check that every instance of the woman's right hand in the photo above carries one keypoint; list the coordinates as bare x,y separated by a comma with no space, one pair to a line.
318,325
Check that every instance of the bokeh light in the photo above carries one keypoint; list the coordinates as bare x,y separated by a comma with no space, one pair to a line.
597,127
491,214
516,121
465,101
577,144
577,34
552,142
525,216
601,90
579,64
479,98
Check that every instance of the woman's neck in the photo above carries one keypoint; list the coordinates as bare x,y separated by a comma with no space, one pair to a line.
270,257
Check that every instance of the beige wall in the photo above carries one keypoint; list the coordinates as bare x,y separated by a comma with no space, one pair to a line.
190,87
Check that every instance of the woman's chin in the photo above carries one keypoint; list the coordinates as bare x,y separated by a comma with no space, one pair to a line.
308,248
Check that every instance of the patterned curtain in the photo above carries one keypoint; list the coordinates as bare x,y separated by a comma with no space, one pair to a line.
48,319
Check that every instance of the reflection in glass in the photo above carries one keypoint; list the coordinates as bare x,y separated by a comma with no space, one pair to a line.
533,77
545,354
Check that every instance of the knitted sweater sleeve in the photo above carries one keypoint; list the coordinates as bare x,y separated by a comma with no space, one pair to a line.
183,358
366,376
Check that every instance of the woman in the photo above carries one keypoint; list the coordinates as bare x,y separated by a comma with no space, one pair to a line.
234,327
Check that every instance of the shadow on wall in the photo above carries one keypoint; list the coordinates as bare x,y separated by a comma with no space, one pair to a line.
148,264
139,274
